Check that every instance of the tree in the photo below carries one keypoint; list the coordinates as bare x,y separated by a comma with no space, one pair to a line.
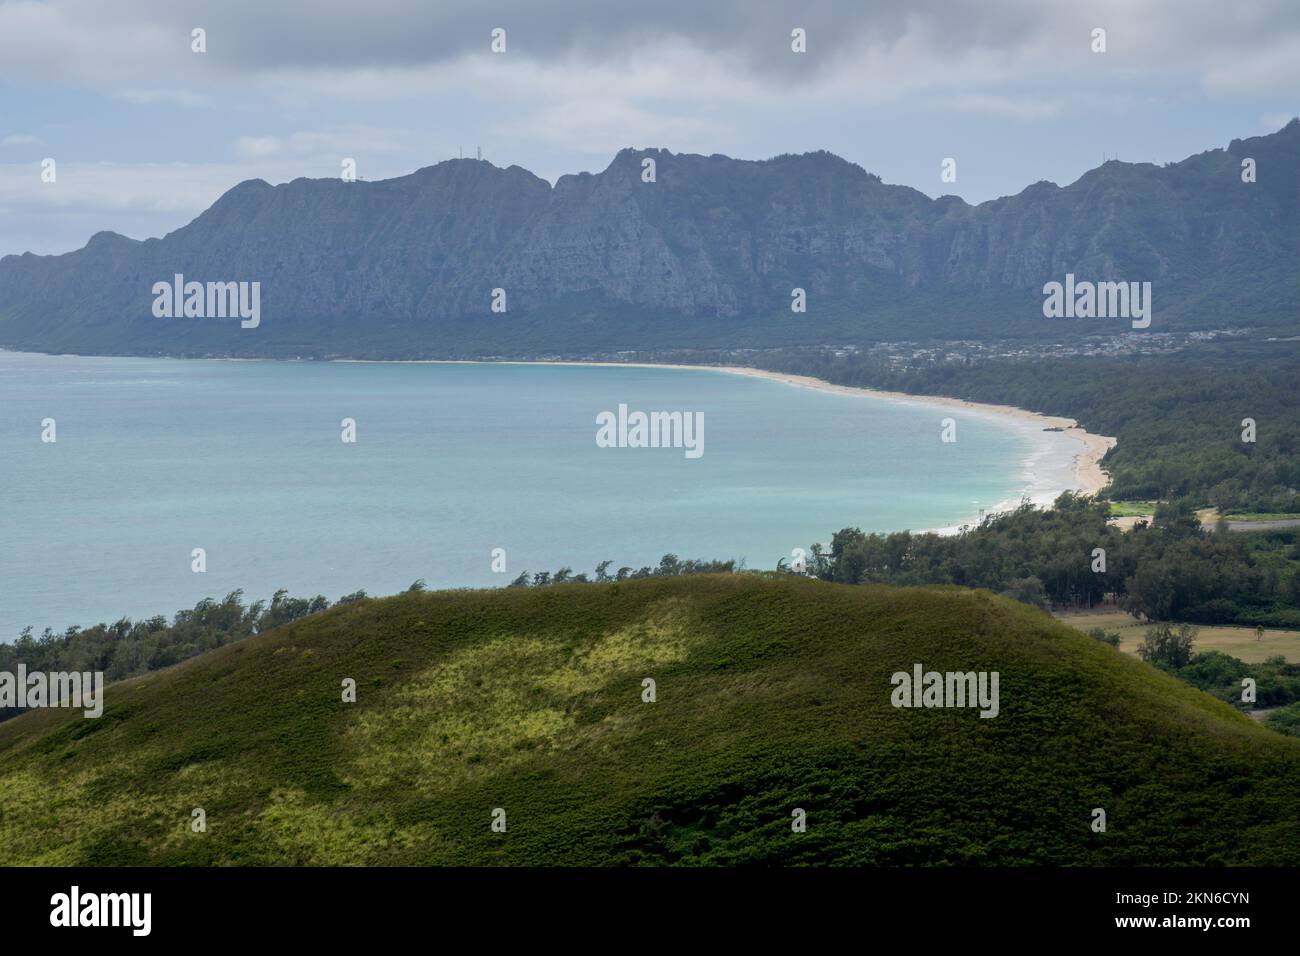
1027,591
1168,646
1106,637
669,566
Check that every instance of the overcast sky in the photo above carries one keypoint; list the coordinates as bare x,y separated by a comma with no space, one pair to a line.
146,133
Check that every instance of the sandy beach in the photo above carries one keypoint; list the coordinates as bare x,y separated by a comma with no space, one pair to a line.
1089,476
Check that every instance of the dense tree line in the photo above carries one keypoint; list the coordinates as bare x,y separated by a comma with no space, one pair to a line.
669,566
127,648
1068,556
1178,416
1285,720
1277,683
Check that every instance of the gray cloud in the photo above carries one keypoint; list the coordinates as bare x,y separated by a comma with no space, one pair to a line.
137,40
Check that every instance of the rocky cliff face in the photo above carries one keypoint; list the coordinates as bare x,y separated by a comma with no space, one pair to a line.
706,255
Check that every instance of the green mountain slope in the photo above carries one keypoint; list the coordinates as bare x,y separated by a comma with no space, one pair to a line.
772,694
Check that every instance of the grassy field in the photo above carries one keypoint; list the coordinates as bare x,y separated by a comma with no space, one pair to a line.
772,694
1208,516
1132,509
1261,516
1240,642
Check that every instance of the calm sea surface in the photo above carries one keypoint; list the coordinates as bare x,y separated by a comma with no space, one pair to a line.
156,457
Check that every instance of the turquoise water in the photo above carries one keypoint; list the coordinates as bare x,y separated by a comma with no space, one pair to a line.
156,457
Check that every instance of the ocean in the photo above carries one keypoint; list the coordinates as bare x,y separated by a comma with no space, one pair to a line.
155,458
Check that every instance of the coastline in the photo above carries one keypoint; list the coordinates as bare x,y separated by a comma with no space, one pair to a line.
1089,476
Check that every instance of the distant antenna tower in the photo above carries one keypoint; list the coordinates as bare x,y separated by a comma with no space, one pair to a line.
479,151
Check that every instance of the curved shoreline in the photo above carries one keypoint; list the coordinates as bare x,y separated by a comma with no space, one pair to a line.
1089,476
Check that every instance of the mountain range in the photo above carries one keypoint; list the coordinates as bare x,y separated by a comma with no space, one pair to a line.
706,255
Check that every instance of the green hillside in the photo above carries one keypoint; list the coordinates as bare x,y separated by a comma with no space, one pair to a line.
772,693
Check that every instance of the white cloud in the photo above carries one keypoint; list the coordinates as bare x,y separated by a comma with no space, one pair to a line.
328,144
1273,66
20,139
177,97
172,193
152,187
1272,122
257,147
603,127
1014,107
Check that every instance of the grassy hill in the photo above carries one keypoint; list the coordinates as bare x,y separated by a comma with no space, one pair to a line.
772,693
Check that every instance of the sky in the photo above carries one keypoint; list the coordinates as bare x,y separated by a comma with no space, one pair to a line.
146,133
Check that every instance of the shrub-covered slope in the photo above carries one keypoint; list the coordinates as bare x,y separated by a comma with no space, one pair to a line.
772,694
